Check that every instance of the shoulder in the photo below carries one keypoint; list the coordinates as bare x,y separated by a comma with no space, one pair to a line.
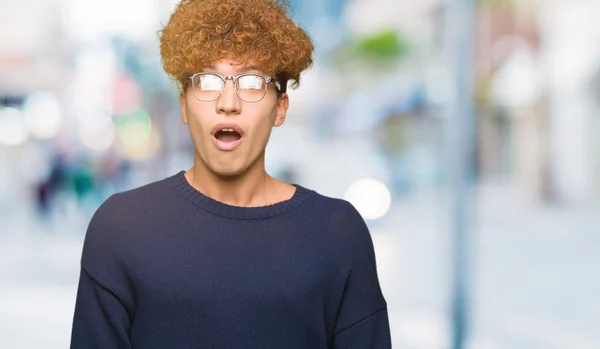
142,195
135,201
340,219
125,213
336,209
114,235
345,229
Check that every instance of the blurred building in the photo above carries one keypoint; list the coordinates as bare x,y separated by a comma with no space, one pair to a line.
537,101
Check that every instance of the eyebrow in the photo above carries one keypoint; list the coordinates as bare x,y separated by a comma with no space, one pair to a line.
250,67
245,70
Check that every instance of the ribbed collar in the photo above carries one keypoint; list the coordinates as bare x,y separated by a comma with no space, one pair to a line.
219,208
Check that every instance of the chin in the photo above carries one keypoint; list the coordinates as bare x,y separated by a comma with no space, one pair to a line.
228,170
229,166
231,174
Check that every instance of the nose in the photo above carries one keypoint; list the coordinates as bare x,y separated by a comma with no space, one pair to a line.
228,102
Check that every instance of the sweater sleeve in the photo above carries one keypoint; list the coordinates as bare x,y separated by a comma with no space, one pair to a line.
103,306
101,319
362,321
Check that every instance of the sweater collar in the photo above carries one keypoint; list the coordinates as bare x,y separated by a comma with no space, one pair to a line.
219,208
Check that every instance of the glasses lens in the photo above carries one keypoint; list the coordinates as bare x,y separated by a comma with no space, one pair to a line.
207,87
251,88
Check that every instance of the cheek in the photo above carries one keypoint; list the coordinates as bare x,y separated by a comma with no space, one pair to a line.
263,125
198,125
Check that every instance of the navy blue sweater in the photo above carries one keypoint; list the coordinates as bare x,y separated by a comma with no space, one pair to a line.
165,266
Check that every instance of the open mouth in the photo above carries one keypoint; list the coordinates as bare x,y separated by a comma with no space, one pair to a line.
227,138
228,135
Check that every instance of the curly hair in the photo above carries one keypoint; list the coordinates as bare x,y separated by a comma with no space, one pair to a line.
200,32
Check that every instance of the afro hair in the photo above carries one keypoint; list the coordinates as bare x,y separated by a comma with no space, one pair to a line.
201,32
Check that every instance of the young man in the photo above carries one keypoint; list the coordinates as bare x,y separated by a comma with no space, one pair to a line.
223,255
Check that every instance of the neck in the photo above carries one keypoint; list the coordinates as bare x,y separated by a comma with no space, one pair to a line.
249,189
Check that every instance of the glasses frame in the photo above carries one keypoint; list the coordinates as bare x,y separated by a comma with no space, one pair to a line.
267,78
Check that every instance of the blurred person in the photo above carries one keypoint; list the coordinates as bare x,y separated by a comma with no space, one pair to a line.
47,189
223,255
83,180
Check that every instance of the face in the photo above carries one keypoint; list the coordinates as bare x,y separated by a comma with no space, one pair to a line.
231,135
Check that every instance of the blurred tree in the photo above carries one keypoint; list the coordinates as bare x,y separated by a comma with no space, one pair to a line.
387,45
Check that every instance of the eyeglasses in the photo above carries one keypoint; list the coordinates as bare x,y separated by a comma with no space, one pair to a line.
250,88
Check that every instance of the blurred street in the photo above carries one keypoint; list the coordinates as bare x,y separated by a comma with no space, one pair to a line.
525,295
385,118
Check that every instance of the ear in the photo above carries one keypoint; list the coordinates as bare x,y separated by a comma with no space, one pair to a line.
183,108
282,106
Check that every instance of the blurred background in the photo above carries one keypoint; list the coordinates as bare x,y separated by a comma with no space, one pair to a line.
86,111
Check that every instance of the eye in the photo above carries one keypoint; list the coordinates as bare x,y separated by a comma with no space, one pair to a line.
251,82
209,82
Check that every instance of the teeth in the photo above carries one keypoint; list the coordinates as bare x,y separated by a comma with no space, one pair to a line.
227,130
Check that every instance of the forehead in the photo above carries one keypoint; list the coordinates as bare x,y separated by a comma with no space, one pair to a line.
231,66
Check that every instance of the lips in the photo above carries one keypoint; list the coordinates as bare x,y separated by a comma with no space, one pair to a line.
227,136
